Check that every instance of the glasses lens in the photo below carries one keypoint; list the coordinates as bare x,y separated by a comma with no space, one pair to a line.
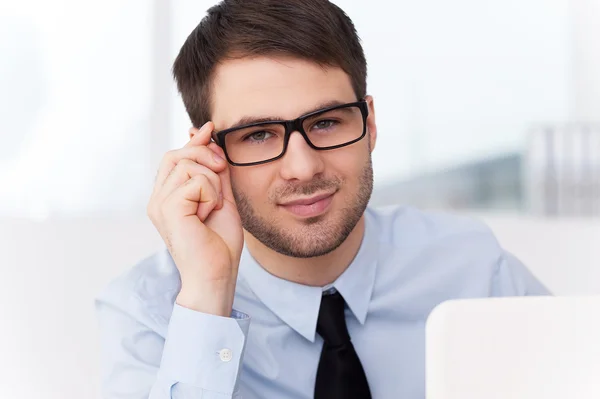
335,127
255,144
325,129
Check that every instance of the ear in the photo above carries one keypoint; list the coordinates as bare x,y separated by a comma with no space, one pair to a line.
371,125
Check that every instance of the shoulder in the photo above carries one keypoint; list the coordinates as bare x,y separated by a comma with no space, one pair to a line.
402,225
426,244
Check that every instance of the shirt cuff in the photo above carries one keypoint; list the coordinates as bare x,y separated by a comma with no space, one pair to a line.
205,350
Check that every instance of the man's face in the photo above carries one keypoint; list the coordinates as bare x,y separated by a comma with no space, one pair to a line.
286,88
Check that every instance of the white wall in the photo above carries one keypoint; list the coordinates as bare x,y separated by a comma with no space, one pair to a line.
585,31
52,270
50,273
76,97
461,80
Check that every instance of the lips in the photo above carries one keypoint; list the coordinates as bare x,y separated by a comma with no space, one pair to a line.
308,201
309,207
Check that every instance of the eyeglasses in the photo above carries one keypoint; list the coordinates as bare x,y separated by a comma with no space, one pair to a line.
325,129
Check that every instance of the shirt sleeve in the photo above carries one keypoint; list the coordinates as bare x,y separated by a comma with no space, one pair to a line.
200,357
513,278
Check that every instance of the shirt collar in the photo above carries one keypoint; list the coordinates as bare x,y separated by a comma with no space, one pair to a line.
298,305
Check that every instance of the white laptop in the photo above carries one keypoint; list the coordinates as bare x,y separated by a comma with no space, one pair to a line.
514,348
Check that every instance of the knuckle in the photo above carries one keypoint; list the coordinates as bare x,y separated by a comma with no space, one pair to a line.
217,185
170,157
150,213
185,162
150,209
180,167
151,206
153,214
200,178
153,210
203,153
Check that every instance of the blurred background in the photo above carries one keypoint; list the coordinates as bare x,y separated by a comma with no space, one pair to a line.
488,108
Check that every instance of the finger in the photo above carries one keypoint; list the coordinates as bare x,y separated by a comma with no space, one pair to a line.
196,197
184,171
202,135
224,175
202,155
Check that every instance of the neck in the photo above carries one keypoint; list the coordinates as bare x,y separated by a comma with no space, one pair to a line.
317,271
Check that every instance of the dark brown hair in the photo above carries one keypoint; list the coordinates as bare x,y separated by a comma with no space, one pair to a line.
314,30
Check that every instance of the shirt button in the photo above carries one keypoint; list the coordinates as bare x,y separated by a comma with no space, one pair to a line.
225,355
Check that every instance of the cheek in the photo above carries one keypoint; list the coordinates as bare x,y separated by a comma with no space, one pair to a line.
254,184
348,164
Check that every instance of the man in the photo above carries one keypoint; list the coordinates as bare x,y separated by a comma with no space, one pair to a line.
279,282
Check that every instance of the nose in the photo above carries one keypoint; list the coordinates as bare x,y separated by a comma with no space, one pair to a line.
300,161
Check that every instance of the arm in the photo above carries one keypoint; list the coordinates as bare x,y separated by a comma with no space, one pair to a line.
512,278
193,209
138,363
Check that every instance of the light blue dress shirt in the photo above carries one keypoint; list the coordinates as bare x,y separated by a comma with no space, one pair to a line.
409,262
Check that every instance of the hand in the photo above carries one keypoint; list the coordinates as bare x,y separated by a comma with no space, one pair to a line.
193,209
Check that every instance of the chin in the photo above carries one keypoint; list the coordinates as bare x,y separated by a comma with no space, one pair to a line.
308,248
310,237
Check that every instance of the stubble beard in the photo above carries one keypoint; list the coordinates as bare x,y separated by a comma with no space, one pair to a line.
316,236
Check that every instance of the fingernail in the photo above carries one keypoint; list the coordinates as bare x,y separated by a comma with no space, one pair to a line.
203,128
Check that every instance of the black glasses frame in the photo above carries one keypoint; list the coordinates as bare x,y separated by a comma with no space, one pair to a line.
293,126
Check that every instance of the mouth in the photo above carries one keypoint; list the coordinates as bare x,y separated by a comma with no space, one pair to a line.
309,207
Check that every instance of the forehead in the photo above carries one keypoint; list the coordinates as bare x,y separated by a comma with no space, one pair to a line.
279,87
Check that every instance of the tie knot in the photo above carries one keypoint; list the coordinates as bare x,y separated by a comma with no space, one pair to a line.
331,324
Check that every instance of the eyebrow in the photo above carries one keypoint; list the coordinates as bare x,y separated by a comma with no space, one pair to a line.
248,120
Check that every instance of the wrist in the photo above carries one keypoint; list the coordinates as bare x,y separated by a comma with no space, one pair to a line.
210,300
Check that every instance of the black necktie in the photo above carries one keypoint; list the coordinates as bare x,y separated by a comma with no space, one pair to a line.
340,374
